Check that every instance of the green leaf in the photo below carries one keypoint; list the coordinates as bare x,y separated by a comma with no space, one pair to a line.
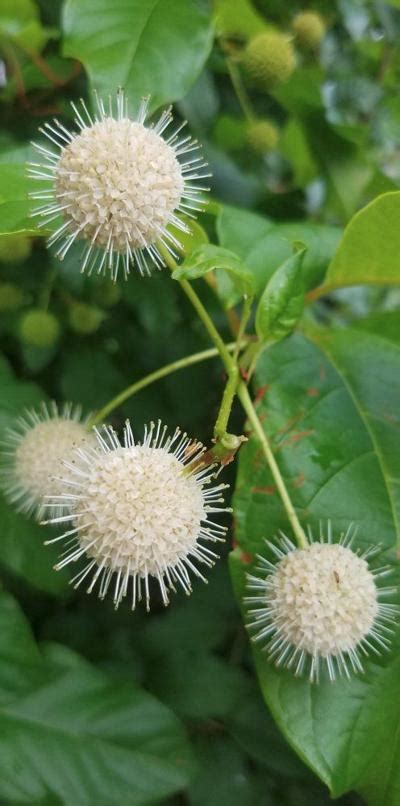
19,656
282,301
337,729
190,240
22,551
15,396
264,245
209,258
384,324
329,404
369,251
224,775
75,735
294,146
155,48
240,229
15,205
81,371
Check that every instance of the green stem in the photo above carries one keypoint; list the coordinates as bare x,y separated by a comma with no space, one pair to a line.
188,361
228,397
243,323
240,91
200,310
248,406
229,363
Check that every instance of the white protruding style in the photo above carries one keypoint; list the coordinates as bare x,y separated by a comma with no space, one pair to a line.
139,510
32,453
117,184
320,606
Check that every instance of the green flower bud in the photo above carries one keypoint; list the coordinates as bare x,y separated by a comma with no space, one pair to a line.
262,136
269,59
39,328
309,29
11,297
14,248
84,319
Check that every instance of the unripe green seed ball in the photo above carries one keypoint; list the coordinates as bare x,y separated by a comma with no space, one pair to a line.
262,136
107,294
84,319
309,29
11,297
14,248
269,59
39,328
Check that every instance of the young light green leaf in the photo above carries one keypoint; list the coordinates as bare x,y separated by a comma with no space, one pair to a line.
282,302
369,251
234,280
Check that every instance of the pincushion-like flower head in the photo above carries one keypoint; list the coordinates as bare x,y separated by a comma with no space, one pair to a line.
139,511
117,184
319,606
32,454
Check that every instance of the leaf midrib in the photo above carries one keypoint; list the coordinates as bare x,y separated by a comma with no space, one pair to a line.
366,422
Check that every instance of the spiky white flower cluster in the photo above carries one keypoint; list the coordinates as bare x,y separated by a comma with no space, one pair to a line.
117,184
33,453
319,606
138,511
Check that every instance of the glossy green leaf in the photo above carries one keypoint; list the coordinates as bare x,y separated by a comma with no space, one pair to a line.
264,244
329,404
72,734
282,301
208,258
337,729
15,205
154,48
369,251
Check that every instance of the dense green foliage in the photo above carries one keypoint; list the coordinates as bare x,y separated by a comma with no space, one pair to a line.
106,707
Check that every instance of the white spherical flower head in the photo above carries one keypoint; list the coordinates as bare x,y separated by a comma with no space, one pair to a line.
33,454
140,511
319,603
117,185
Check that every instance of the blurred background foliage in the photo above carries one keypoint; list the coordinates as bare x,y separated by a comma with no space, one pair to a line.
122,708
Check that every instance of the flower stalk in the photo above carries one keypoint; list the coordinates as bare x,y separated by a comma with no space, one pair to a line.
248,407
